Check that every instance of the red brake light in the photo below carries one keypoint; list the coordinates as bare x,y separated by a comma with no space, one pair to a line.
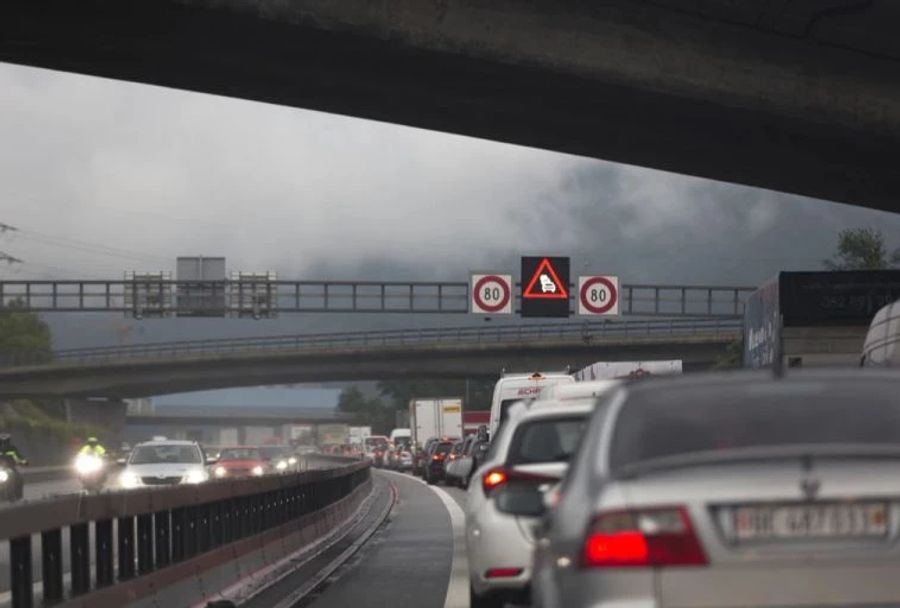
438,456
502,572
493,479
644,538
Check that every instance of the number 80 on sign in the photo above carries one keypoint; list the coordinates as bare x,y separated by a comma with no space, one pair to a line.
598,295
491,294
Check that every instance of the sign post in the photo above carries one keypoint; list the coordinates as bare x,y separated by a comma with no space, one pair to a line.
491,294
598,295
545,286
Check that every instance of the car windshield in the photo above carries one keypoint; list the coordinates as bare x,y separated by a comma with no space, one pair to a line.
271,452
376,443
721,418
239,454
165,454
546,440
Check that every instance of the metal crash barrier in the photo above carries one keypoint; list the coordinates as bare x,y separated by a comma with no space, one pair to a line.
138,532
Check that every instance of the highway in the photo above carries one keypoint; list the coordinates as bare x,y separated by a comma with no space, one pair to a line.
421,544
422,535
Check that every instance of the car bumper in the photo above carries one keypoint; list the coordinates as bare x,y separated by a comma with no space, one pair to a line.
770,585
496,540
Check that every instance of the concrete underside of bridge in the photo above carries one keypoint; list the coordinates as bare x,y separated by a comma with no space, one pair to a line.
139,378
801,96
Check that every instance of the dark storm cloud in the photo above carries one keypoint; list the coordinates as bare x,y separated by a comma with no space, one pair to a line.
162,173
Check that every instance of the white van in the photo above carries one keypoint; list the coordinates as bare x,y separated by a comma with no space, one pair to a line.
403,434
512,388
882,345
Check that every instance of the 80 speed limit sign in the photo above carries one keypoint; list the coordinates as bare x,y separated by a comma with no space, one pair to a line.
598,295
491,294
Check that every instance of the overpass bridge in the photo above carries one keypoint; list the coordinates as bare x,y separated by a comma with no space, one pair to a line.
797,95
460,352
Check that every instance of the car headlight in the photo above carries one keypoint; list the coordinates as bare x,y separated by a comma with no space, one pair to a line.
292,461
4,475
257,470
281,465
128,480
220,471
196,477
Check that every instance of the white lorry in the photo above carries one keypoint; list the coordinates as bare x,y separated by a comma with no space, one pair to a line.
440,417
512,388
358,435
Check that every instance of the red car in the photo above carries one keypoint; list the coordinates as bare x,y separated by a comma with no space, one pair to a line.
239,462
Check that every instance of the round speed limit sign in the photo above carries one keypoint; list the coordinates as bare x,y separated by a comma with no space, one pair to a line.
598,295
491,294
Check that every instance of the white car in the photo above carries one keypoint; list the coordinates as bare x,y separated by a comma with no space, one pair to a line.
164,463
529,455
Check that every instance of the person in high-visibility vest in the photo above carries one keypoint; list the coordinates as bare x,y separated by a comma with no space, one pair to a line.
13,459
9,451
93,447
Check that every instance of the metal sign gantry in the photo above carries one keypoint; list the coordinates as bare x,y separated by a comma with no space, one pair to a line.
249,297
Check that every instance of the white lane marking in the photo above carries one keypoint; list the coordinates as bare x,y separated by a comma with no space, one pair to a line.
458,586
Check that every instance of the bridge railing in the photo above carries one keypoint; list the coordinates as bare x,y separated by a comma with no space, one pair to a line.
154,297
157,528
498,334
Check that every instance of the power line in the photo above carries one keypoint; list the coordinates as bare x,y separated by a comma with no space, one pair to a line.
83,246
5,257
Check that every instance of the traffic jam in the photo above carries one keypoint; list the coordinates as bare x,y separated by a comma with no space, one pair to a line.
632,484
167,462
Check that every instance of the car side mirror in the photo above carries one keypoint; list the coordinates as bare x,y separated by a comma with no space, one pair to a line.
121,462
482,433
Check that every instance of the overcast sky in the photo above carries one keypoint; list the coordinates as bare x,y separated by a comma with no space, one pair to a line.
104,176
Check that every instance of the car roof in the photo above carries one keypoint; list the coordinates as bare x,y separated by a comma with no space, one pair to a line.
705,380
554,408
580,390
168,442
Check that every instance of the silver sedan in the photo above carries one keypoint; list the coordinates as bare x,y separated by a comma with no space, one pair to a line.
731,490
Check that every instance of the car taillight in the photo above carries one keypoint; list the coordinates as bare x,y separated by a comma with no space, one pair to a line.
437,457
496,477
493,479
642,538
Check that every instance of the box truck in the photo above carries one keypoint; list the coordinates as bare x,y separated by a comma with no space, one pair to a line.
437,417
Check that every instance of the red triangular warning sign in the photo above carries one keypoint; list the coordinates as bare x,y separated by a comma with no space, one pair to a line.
545,284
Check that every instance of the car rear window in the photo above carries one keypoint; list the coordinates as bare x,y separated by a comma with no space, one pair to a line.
546,440
685,420
239,454
443,448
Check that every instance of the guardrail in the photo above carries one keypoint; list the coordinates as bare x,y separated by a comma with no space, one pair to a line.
156,528
586,331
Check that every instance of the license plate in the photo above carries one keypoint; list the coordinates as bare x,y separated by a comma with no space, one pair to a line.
810,521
